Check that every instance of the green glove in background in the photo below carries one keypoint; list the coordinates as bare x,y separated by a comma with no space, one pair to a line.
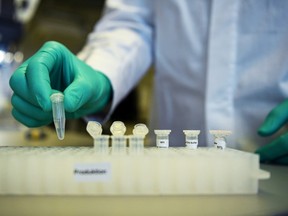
54,68
276,151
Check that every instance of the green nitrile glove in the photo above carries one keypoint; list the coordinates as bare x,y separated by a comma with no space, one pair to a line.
277,150
54,68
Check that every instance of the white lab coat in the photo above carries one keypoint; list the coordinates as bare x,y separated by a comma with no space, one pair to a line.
219,64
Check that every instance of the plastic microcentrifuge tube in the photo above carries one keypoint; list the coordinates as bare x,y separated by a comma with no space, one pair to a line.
162,138
118,130
136,144
94,128
136,141
191,138
101,142
58,114
220,138
140,130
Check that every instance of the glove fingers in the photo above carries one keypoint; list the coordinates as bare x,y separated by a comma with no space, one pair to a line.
19,85
84,110
50,68
29,110
76,95
28,121
275,120
38,78
274,150
82,98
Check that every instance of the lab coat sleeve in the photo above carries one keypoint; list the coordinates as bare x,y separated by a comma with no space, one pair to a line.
121,45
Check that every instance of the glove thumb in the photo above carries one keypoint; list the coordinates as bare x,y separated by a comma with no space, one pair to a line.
275,120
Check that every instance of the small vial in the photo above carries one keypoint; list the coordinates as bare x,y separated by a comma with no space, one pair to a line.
191,138
94,128
101,143
136,141
118,130
136,144
220,138
58,114
162,138
140,130
119,144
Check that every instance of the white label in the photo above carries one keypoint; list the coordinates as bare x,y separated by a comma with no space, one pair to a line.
92,172
163,143
220,143
193,143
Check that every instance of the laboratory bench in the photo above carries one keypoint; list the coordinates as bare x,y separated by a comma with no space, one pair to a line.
272,198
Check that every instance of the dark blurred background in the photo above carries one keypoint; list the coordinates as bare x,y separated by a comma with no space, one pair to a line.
68,22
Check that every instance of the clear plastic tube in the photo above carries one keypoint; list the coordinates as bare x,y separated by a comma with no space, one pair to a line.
191,138
220,138
162,138
101,144
118,130
94,128
58,114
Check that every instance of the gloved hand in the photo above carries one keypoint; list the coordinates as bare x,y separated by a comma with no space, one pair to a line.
276,151
52,69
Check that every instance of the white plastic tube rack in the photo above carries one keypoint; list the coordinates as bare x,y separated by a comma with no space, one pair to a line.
165,171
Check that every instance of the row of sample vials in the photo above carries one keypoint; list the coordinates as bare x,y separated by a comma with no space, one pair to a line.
191,138
118,130
136,140
118,137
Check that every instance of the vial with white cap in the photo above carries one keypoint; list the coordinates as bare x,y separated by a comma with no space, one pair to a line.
140,130
118,130
191,138
162,138
136,141
220,138
58,112
101,142
94,128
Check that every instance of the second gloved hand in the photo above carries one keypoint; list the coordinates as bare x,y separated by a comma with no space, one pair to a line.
276,151
54,68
